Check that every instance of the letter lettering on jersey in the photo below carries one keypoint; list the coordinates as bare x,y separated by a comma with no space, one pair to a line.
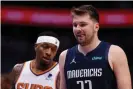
68,74
26,85
100,72
20,85
77,73
91,72
81,72
88,72
73,73
85,72
38,86
47,87
95,72
32,86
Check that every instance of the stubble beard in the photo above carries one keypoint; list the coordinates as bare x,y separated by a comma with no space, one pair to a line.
44,64
86,40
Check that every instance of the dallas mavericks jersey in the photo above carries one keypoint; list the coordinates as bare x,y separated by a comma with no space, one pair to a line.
91,71
29,80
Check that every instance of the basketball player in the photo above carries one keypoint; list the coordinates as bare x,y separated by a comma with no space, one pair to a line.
39,73
92,64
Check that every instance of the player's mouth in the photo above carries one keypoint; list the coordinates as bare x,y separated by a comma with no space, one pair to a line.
46,59
80,35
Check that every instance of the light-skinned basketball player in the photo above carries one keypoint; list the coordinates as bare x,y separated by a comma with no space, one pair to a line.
39,73
92,64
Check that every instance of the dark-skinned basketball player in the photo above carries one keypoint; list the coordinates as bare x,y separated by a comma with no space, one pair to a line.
39,73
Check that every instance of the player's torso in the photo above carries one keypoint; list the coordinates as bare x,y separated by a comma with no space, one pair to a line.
30,80
90,71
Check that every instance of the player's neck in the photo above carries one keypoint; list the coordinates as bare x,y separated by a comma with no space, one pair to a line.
87,48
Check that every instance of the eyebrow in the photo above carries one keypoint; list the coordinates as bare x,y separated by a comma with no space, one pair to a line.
80,22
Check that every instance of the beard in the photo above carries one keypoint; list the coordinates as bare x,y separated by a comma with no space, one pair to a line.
44,63
85,40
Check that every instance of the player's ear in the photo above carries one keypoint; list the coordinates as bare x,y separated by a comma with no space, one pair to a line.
35,46
96,27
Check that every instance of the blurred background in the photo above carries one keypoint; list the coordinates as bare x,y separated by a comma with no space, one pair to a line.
22,21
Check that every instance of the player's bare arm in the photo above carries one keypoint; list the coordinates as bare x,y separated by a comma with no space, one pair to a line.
16,71
61,67
9,79
120,67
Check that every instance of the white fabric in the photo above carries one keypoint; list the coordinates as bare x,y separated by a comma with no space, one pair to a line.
30,80
48,39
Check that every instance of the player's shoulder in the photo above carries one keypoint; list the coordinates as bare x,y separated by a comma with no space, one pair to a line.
18,67
16,70
116,49
62,57
116,53
63,53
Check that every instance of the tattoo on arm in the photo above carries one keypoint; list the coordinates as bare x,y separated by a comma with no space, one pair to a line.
9,79
16,71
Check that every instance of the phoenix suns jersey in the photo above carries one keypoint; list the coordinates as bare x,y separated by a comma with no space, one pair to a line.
30,80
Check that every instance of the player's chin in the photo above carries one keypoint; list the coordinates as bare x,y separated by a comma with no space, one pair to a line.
80,38
46,61
80,41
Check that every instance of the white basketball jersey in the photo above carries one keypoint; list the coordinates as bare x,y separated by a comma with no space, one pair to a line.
45,80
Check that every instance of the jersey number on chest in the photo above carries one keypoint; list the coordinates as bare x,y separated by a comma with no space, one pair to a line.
82,83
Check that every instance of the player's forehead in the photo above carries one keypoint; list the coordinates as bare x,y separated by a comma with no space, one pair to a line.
81,19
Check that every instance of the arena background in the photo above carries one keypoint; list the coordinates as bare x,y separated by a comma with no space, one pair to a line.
18,34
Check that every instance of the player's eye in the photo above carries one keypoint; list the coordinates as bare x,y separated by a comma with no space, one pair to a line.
75,25
82,25
45,46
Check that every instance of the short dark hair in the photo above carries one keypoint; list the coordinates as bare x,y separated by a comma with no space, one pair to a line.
86,9
48,33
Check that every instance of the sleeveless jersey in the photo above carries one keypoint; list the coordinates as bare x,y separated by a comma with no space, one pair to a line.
29,80
91,71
